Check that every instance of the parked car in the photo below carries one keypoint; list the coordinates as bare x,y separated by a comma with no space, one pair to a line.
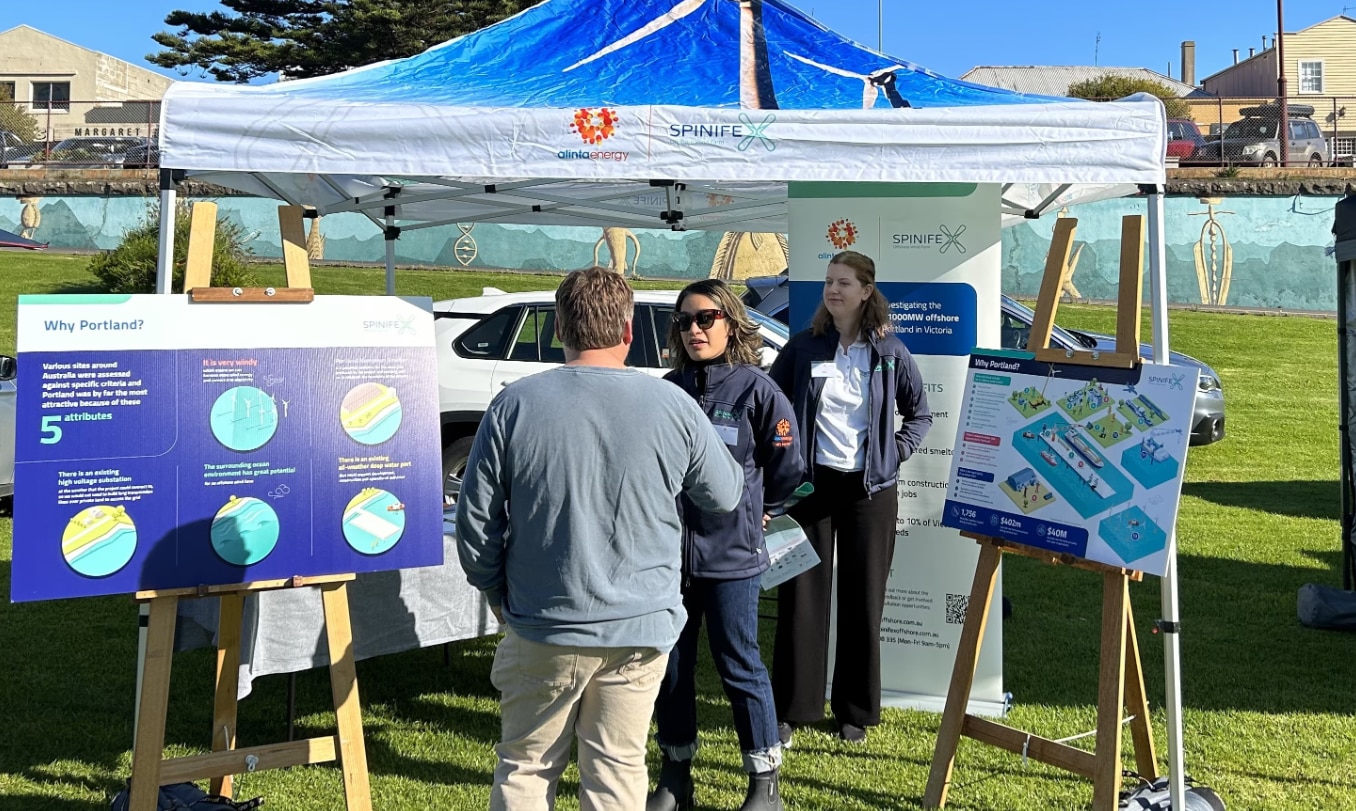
92,152
142,156
486,342
771,295
13,150
1252,140
1183,138
8,393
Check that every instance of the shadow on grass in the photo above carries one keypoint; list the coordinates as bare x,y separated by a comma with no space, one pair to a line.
1302,499
1241,642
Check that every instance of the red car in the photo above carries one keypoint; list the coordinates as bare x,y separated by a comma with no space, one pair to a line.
1183,138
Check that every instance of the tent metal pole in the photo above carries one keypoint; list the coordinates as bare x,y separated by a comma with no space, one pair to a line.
164,265
164,277
1169,624
392,234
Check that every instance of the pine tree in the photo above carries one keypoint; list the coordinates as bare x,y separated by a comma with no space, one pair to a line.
302,38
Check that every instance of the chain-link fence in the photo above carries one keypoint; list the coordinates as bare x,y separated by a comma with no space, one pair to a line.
70,133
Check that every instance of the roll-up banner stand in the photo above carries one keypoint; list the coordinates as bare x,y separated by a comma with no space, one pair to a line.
937,252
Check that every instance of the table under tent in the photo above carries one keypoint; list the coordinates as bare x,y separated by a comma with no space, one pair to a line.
681,114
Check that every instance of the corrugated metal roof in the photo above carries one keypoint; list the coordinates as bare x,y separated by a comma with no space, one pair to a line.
1054,80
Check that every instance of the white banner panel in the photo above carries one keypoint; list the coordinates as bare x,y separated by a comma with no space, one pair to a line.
937,253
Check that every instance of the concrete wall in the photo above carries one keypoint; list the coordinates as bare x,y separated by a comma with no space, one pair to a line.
1237,251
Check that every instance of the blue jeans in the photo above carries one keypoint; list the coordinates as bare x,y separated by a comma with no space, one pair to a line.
732,609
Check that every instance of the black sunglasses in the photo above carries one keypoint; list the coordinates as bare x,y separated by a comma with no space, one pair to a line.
704,319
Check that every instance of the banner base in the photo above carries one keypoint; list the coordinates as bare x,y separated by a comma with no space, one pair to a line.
930,703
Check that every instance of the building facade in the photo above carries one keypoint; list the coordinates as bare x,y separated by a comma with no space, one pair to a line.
71,91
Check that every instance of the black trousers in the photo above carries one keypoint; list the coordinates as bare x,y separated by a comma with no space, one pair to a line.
865,532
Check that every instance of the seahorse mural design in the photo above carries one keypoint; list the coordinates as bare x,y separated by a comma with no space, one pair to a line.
1213,274
30,218
616,238
742,254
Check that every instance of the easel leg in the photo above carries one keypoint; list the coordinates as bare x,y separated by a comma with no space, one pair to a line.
1111,692
231,611
1137,702
344,686
962,677
150,737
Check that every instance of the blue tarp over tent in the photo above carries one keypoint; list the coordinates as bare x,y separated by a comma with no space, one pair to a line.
627,53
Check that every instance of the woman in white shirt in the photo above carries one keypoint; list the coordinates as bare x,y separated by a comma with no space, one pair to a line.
847,376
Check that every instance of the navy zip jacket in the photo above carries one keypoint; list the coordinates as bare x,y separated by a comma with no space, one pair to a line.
758,427
896,384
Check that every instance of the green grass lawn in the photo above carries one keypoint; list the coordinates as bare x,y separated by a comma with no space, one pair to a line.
1270,706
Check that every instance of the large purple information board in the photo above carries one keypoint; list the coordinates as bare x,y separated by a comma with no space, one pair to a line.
162,443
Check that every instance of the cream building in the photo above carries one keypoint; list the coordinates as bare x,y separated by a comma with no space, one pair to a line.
71,90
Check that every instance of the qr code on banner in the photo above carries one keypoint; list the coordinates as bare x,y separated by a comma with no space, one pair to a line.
955,608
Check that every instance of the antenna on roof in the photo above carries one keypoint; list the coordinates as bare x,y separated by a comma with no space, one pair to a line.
1097,48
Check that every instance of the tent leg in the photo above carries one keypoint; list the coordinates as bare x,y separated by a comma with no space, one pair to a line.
164,266
1172,651
392,234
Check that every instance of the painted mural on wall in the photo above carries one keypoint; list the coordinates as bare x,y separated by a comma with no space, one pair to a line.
1268,252
1239,251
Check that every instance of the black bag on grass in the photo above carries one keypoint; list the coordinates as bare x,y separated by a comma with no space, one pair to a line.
1154,795
1327,608
187,797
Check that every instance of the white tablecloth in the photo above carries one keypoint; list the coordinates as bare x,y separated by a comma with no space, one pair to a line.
284,632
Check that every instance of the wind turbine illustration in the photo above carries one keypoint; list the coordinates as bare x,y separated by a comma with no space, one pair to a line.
755,78
874,84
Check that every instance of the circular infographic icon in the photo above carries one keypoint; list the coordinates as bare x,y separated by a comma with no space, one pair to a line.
99,540
244,531
374,520
371,413
244,418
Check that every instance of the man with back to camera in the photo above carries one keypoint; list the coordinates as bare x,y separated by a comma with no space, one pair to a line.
585,569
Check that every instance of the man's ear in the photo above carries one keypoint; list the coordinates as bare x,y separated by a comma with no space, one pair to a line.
627,334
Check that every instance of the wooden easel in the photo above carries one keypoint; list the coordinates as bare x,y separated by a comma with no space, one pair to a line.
149,769
1121,677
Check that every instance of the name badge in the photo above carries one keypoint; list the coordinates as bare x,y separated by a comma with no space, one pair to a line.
729,434
824,368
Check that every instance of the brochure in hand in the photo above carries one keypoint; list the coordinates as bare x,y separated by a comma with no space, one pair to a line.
787,547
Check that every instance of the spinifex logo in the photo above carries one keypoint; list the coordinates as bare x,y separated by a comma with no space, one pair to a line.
842,234
944,239
593,126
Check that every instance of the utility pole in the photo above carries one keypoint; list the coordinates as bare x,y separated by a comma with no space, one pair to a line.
1283,126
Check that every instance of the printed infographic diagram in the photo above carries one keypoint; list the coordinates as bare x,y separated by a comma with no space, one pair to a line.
1076,459
143,463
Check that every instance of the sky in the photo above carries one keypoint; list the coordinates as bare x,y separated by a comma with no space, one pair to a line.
947,37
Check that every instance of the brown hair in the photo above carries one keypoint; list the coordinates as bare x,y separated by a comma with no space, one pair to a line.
875,310
745,339
592,308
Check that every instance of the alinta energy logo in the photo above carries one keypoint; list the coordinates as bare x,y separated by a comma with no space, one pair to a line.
593,126
842,234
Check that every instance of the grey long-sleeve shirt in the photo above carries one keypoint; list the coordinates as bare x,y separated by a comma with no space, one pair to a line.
568,516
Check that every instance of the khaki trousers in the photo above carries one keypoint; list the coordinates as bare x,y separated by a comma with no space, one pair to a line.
553,694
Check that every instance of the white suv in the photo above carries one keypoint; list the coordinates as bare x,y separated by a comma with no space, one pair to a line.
487,342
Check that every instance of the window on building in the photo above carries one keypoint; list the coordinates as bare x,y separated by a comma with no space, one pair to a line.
6,91
52,96
1311,76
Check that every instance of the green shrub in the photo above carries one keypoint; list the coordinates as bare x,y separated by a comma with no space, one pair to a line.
130,267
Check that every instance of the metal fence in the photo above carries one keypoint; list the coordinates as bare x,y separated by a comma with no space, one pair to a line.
74,133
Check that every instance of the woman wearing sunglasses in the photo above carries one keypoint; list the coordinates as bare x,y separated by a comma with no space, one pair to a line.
847,376
714,347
